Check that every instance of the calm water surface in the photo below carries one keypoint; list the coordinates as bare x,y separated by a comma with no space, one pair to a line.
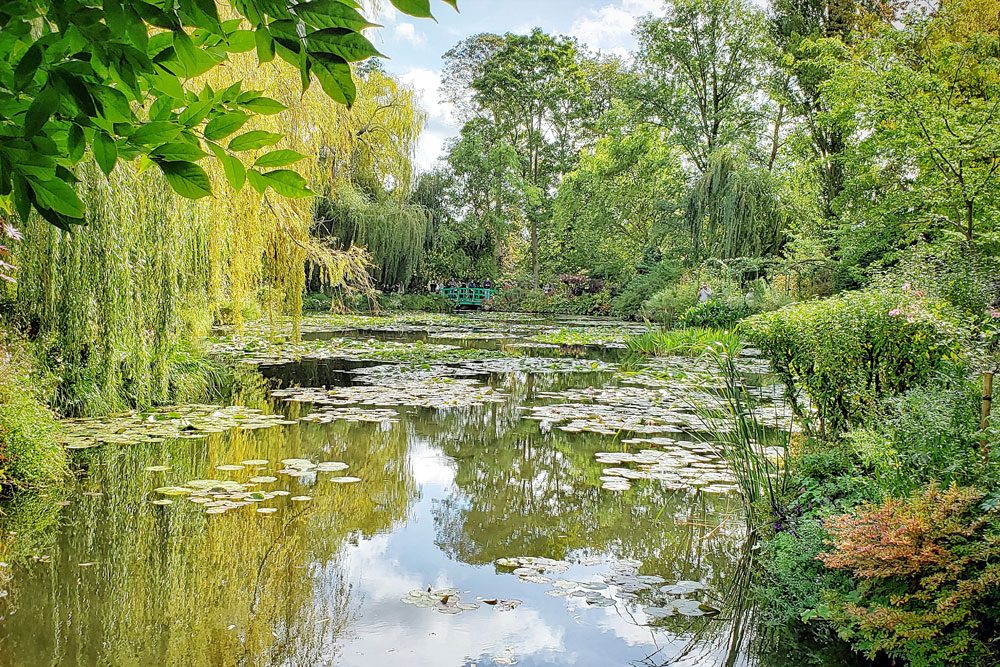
98,575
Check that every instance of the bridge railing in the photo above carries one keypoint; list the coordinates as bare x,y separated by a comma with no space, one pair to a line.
471,296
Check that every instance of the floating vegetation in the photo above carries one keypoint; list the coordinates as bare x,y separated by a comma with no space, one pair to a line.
373,416
443,600
189,421
156,468
431,392
345,480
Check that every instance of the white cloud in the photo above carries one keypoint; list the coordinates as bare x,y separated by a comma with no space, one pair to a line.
609,28
385,14
407,32
441,122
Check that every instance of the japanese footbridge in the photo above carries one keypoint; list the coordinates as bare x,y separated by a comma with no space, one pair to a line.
469,297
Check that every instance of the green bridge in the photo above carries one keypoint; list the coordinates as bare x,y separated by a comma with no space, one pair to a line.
469,296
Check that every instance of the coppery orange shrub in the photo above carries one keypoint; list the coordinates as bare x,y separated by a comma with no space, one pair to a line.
928,575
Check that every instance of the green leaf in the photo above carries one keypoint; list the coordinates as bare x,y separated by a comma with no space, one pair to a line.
288,183
57,195
256,180
235,172
419,8
195,61
334,75
27,66
187,179
278,158
176,151
41,109
347,44
241,41
224,125
155,132
75,142
105,152
114,104
253,140
331,14
195,113
263,105
265,45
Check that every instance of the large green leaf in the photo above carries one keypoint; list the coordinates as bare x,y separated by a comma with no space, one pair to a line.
196,61
224,125
419,8
263,105
332,14
288,183
235,172
187,179
57,195
41,109
347,44
253,140
177,151
105,152
334,75
156,132
278,158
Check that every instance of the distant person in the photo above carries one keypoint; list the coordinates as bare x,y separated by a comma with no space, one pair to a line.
472,284
704,293
488,284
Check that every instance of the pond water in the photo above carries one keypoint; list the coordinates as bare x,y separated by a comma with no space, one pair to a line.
520,496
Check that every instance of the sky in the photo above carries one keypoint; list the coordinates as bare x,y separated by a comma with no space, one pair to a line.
415,46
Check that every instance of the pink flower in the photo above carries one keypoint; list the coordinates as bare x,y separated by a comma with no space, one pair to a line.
911,318
894,312
919,292
906,286
993,312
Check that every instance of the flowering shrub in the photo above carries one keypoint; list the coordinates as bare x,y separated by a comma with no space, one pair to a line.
851,351
928,571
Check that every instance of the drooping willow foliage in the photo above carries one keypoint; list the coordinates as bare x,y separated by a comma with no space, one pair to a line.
735,211
116,303
393,232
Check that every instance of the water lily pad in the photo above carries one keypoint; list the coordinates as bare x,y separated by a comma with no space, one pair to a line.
345,480
300,499
263,479
255,463
172,490
228,467
162,501
267,510
331,466
157,468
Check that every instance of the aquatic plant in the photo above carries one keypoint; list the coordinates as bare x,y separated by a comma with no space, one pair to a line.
691,342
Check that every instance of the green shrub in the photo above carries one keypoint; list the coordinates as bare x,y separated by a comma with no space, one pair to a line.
432,303
852,351
29,452
317,301
715,313
682,342
928,434
671,301
630,299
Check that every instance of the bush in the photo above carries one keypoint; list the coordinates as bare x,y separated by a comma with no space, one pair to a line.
715,314
852,351
29,453
928,569
433,303
317,301
629,301
668,303
928,434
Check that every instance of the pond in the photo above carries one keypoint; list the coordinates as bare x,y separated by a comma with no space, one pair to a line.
419,490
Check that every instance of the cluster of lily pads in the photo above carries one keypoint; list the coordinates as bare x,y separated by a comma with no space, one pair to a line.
331,414
428,392
218,496
677,464
623,583
188,421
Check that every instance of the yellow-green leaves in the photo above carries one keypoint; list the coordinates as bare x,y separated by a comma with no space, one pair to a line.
253,140
278,158
222,126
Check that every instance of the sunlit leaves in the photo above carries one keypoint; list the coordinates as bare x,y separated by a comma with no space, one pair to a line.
187,179
278,158
115,78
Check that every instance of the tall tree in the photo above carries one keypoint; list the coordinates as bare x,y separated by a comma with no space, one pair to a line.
701,68
528,107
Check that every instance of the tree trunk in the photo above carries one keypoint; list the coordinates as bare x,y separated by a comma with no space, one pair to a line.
534,252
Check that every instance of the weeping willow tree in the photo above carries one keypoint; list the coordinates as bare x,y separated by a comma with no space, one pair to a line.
117,303
393,232
735,211
368,172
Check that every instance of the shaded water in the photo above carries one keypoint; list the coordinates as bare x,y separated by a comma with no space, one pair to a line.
98,575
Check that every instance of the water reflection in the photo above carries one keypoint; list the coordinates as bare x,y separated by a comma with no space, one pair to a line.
100,576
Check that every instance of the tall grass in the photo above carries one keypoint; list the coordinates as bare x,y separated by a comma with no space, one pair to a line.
690,342
748,446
